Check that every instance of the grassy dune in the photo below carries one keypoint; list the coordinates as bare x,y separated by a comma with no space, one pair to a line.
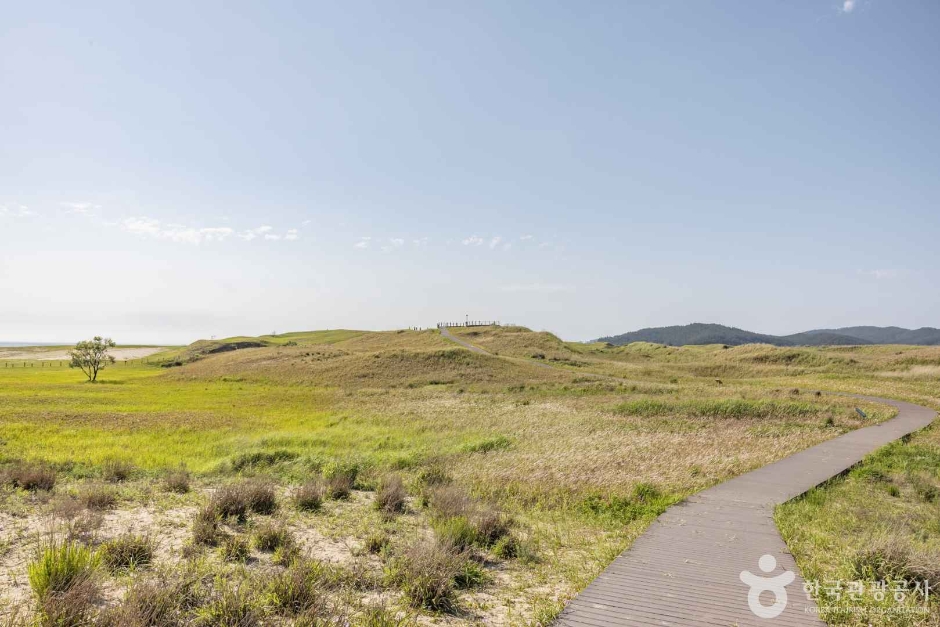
578,457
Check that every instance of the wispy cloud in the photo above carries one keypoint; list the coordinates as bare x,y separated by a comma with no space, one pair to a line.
421,241
393,243
363,243
540,288
848,6
292,235
879,274
495,242
16,211
473,240
525,238
80,208
250,234
175,232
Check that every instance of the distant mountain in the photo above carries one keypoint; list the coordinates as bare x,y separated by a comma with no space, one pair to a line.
925,336
824,338
699,333
696,333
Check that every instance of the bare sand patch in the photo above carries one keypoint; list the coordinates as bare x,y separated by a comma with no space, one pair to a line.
58,353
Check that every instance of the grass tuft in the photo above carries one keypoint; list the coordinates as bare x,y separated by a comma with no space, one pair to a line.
127,551
309,496
29,476
177,481
206,529
298,590
271,536
59,566
98,497
893,559
425,572
234,549
391,497
116,470
231,605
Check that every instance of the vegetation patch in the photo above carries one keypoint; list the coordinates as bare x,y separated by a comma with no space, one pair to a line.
127,551
497,443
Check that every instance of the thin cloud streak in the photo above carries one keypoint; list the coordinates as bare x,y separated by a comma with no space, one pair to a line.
18,211
181,233
538,288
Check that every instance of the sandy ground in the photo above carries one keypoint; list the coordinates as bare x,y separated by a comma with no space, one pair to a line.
55,353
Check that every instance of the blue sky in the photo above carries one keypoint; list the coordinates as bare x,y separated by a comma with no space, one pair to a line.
171,171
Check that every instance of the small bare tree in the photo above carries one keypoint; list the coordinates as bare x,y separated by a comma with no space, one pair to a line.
92,356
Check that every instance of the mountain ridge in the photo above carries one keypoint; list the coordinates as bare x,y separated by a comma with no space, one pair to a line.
705,333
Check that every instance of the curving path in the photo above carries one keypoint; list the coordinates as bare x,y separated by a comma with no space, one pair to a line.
453,338
686,568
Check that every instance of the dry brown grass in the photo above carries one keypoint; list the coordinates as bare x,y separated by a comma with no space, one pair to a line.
309,496
391,497
28,476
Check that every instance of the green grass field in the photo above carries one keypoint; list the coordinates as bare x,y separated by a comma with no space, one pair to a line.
581,455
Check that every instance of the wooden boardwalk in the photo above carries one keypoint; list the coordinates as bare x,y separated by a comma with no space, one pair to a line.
686,568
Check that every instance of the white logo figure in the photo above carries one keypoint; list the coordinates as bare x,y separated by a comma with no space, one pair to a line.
759,584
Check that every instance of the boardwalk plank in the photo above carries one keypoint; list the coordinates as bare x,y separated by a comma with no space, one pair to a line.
685,569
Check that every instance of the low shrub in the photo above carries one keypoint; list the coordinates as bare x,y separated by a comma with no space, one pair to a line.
236,500
490,526
894,559
925,489
59,566
380,616
390,499
425,573
98,497
309,496
297,590
30,476
116,470
176,481
270,536
451,502
433,475
471,574
377,542
147,603
74,607
512,547
457,532
260,496
286,554
230,605
229,502
340,485
234,549
206,526
127,551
